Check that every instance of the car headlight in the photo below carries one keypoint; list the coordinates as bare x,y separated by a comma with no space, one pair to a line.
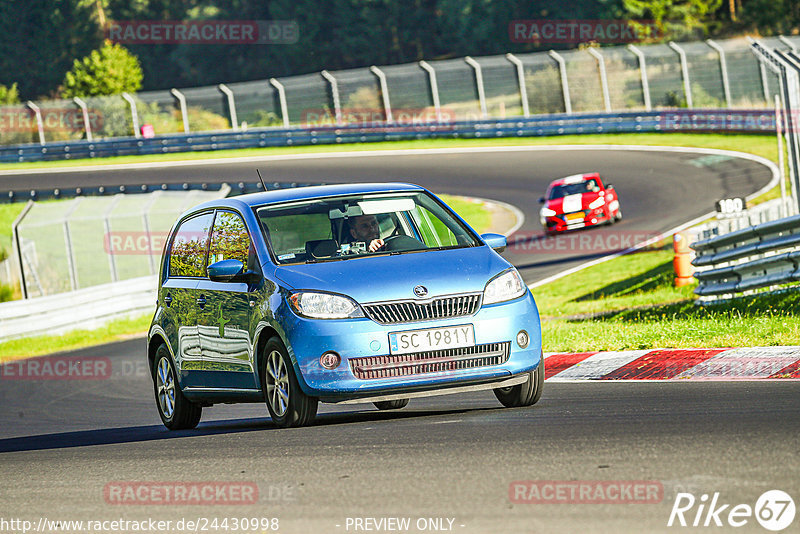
547,212
324,305
597,203
503,287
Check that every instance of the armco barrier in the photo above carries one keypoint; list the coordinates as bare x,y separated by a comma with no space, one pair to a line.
84,308
695,120
752,258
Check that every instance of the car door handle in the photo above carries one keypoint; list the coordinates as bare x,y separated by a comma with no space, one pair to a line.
168,300
201,301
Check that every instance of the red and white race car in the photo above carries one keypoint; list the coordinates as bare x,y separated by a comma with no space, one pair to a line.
579,201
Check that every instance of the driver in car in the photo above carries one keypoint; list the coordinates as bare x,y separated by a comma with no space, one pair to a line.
365,228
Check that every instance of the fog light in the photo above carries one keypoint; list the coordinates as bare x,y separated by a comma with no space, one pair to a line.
330,360
522,339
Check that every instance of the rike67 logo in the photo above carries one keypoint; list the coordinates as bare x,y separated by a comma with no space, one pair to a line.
774,510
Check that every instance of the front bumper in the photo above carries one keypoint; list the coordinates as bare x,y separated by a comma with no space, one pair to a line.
563,223
308,339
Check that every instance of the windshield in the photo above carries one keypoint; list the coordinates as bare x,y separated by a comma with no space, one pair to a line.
578,188
339,228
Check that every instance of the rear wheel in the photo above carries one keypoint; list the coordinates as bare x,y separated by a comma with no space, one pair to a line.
176,411
391,405
287,404
525,394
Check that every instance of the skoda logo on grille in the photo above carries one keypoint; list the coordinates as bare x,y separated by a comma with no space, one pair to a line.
420,291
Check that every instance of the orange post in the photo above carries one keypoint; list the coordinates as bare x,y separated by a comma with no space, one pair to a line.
682,262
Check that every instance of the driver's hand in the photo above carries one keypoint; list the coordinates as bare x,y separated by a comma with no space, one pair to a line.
375,245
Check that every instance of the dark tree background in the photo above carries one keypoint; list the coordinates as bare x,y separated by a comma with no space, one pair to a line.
41,38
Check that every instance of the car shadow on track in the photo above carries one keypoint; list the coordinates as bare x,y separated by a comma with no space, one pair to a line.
134,434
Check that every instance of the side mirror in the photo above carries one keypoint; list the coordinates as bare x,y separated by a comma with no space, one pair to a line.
225,270
497,241
609,186
541,200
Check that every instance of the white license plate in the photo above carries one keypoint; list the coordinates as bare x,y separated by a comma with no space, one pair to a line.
452,337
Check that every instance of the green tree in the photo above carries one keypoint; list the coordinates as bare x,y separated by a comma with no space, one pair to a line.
108,71
41,38
675,19
9,95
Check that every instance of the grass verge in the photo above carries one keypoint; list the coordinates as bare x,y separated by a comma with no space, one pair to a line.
116,330
629,303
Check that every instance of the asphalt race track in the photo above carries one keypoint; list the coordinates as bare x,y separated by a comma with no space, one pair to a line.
446,463
658,190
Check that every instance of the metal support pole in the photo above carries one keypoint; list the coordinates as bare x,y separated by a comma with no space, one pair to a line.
601,67
479,83
687,86
39,122
562,67
337,105
788,43
282,98
87,126
723,67
182,104
134,114
387,106
643,69
764,82
779,131
523,90
434,88
17,244
73,270
155,195
112,262
225,90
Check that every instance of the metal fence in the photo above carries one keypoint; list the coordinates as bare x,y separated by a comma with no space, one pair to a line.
72,244
624,78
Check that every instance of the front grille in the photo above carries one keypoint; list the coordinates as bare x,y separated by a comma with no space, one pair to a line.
434,361
409,311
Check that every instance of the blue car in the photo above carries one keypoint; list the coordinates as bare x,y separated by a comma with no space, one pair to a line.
350,293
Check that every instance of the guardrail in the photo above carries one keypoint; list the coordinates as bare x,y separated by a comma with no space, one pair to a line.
85,308
749,259
695,120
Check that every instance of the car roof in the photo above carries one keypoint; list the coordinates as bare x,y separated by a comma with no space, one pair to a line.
277,196
575,178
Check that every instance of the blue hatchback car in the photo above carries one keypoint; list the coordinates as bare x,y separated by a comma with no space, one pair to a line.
351,293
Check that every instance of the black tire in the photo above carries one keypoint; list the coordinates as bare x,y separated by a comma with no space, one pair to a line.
391,405
176,411
525,394
618,216
287,404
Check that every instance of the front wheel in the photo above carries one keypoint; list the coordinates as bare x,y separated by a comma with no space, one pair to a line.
176,411
287,404
526,394
391,405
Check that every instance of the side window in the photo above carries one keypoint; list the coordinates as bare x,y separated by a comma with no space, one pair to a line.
229,239
188,250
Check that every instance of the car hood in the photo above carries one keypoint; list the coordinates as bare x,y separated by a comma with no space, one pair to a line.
571,203
379,278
